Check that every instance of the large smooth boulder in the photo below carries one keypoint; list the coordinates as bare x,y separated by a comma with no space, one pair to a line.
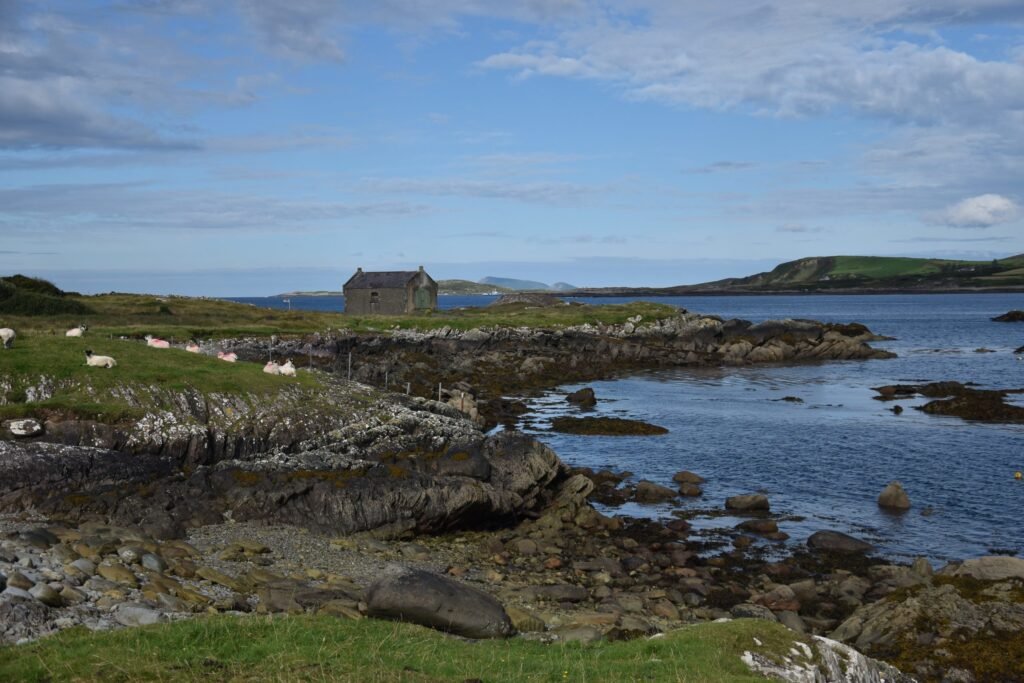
991,568
430,600
748,502
837,542
893,497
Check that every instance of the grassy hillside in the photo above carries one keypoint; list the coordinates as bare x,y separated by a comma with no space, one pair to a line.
823,273
325,648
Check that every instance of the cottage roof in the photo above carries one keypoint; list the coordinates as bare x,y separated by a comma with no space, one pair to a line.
382,279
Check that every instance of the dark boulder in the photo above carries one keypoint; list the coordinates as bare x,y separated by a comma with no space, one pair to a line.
1010,317
747,502
837,542
584,398
440,603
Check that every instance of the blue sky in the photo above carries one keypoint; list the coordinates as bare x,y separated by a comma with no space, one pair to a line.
248,147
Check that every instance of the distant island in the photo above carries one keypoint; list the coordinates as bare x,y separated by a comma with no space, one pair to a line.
852,275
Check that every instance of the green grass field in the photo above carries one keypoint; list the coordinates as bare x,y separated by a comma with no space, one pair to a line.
183,318
877,267
326,649
92,392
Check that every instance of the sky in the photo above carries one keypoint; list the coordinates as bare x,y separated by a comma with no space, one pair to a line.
250,147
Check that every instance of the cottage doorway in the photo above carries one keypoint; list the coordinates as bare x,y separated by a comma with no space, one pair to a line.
374,302
421,299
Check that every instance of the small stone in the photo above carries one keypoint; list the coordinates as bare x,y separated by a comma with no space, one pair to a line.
19,580
748,610
72,596
525,620
23,428
118,574
664,609
526,546
153,563
135,614
46,595
578,634
130,554
340,609
553,563
922,567
759,526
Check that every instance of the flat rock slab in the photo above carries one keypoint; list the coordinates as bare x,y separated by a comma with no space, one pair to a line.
430,600
837,542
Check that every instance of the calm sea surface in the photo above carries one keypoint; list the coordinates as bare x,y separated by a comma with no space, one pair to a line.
823,462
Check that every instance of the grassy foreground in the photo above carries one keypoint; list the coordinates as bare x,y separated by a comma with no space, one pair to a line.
324,648
91,392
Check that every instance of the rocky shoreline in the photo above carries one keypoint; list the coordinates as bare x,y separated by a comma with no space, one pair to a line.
474,369
241,504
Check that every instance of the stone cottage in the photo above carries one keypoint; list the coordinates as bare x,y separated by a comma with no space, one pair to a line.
390,292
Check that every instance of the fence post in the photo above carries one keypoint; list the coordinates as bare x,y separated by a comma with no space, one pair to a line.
438,392
407,386
350,365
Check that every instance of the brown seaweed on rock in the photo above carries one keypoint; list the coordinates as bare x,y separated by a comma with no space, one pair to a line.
959,400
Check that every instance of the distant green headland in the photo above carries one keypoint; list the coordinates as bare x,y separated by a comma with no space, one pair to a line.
854,275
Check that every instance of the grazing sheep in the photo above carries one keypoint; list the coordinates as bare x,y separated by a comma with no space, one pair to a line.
192,347
288,369
272,368
230,357
157,343
76,331
98,361
7,336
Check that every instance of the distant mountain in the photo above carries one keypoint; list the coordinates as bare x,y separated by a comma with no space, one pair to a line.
468,287
511,283
857,274
563,287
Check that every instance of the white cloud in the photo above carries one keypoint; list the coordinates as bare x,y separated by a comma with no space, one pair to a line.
982,211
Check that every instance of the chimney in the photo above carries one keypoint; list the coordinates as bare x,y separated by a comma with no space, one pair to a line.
359,270
421,269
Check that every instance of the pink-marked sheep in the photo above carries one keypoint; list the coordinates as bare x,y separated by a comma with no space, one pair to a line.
230,357
272,368
192,347
7,336
288,369
157,343
95,361
76,331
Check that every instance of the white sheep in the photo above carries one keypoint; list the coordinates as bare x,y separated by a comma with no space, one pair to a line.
76,331
157,343
288,369
272,368
98,361
7,336
230,357
192,347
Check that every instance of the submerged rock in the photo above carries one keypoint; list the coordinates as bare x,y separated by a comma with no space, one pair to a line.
584,398
605,426
1010,317
747,502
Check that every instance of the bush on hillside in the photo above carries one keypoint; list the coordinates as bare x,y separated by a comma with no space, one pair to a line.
36,298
